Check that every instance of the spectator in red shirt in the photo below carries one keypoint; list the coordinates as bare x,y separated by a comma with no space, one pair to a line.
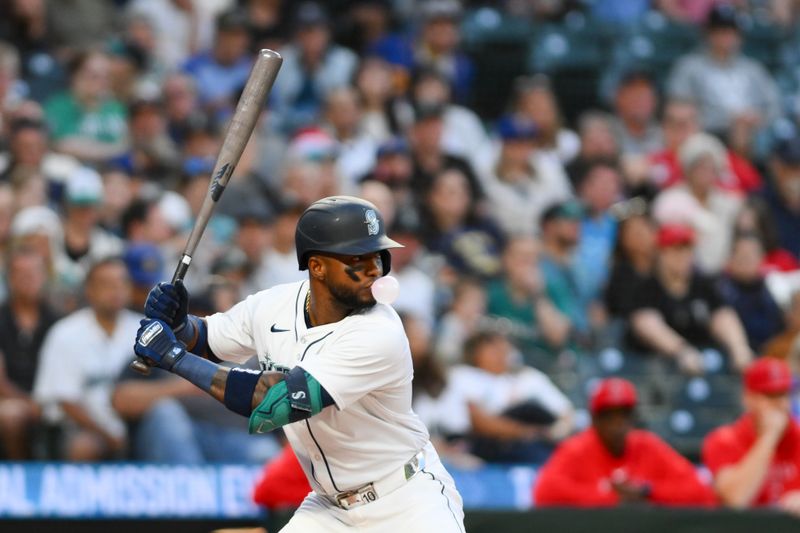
282,483
612,463
756,460
679,122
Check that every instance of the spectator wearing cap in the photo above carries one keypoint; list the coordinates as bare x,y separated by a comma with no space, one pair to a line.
511,413
611,463
782,192
519,181
29,153
220,72
756,460
86,121
679,121
535,325
145,264
85,242
25,318
744,288
312,66
678,311
561,233
734,94
535,101
699,203
635,105
463,133
394,168
430,155
355,150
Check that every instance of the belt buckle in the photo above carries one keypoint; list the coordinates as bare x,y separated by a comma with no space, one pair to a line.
355,498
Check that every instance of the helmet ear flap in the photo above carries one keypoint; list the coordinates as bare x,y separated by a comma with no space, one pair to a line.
386,260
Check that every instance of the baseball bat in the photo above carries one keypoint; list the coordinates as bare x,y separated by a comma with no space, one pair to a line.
236,137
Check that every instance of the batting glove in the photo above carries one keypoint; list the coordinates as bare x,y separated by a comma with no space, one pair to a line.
169,303
156,343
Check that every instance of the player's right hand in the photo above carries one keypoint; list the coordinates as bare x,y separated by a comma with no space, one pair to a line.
169,303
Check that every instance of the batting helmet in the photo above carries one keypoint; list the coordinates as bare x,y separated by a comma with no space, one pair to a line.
342,225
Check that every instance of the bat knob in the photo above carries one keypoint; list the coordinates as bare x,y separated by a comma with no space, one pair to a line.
141,367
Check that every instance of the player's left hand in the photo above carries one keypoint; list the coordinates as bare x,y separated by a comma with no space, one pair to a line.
156,343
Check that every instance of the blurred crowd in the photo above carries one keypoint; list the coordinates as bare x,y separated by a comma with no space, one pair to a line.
651,231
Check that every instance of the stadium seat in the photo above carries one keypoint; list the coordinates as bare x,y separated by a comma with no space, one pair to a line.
574,54
497,45
652,45
764,42
488,25
687,428
721,392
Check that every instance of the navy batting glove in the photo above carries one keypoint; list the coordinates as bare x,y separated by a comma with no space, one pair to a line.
156,343
169,303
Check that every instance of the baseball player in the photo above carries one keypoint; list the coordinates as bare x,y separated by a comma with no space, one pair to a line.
335,373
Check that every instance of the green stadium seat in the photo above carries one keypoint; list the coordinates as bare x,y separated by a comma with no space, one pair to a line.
498,46
574,54
765,42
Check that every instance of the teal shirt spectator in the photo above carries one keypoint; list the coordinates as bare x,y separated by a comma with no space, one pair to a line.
66,118
593,255
523,324
564,289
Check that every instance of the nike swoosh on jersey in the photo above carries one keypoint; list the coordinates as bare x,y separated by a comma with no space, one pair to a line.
273,329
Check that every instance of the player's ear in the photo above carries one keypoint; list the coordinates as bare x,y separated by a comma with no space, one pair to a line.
316,267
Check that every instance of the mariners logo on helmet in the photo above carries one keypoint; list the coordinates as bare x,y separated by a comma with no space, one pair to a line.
373,224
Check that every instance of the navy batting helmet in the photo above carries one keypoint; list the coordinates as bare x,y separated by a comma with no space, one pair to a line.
342,225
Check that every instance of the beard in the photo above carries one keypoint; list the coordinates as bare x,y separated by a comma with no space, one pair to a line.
350,299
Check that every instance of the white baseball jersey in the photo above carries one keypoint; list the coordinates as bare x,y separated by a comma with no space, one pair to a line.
80,363
364,363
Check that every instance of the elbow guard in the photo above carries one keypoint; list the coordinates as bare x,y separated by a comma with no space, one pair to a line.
297,397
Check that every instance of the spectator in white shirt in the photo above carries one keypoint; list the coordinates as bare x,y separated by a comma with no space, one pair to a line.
513,414
81,358
735,94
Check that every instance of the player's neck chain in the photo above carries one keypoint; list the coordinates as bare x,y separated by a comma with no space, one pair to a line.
308,309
